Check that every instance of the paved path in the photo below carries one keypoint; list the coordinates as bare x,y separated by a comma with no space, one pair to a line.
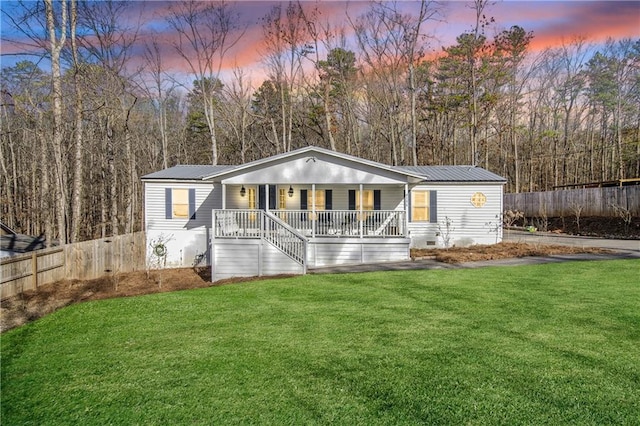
631,246
621,249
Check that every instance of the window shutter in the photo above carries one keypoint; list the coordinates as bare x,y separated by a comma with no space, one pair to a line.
409,211
168,204
262,195
433,206
273,197
328,199
352,199
303,199
192,203
377,202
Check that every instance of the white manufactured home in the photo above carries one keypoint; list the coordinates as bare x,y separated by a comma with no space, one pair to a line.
314,207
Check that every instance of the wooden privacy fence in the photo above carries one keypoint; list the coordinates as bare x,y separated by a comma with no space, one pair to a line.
85,260
589,201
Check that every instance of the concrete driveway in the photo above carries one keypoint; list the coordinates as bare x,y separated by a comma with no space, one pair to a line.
621,249
631,247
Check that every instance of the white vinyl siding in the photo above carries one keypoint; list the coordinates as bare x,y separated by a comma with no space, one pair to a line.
206,198
469,224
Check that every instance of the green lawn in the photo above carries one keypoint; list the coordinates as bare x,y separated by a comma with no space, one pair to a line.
545,344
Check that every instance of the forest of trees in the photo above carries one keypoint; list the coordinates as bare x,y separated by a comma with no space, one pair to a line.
76,137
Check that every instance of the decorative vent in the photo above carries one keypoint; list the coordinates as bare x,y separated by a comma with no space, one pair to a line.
478,199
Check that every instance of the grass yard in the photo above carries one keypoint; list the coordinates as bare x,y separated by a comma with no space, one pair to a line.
544,344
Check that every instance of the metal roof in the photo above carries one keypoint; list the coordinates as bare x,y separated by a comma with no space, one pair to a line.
428,173
187,172
453,173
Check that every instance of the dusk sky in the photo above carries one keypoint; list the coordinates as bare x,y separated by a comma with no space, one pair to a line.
551,22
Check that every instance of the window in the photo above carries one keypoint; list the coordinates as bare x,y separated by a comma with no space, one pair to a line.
320,200
371,199
420,206
367,200
251,197
180,203
282,199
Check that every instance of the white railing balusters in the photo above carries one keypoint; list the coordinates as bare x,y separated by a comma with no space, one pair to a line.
327,223
285,238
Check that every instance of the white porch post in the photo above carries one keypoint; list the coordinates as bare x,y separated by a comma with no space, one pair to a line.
405,229
266,197
224,196
313,210
361,224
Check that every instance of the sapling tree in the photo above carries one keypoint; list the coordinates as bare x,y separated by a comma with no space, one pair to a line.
445,229
496,225
576,209
624,214
158,251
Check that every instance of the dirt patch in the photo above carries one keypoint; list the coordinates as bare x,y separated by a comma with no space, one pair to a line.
35,304
504,250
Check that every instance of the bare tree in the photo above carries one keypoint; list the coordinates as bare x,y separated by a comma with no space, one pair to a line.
411,44
76,204
286,36
238,115
206,32
160,90
57,30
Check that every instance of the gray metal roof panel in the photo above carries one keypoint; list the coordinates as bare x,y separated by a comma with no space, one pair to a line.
187,172
454,173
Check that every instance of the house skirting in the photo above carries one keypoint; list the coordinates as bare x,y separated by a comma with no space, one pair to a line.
345,251
256,257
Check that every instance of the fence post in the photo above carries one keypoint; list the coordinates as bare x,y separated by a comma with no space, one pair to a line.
34,268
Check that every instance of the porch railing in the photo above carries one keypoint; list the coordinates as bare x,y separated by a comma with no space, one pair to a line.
346,223
285,239
238,223
260,224
327,223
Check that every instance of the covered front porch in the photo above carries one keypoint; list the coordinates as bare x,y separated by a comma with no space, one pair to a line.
250,242
307,209
318,211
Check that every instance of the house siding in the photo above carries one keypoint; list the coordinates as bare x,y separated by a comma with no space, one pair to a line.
469,224
186,240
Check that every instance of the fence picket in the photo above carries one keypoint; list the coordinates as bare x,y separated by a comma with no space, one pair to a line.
83,260
563,203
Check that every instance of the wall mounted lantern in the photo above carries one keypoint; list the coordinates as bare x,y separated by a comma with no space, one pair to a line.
290,191
242,191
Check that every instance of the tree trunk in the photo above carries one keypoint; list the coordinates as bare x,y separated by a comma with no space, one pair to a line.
76,207
56,44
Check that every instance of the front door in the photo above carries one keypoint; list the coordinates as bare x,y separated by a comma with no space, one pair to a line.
262,197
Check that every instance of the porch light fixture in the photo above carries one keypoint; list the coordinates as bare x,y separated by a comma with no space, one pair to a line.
290,191
242,191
